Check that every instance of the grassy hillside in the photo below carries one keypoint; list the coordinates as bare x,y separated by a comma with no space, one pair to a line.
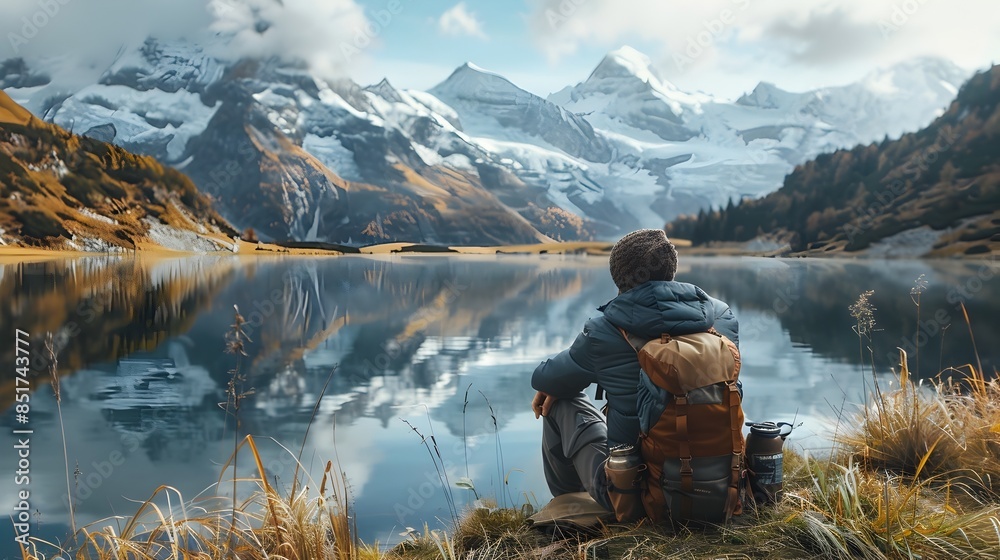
936,191
59,190
12,113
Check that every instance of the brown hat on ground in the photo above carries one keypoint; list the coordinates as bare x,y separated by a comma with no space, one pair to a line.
641,256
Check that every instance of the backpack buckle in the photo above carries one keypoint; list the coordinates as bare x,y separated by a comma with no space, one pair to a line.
686,466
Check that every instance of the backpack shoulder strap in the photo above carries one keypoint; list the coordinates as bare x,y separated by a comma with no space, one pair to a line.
733,505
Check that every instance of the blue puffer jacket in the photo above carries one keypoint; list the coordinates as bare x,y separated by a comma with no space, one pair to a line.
600,354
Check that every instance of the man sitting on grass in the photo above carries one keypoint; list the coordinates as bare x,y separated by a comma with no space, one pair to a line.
576,436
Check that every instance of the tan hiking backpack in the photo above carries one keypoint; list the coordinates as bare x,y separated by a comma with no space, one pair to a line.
694,448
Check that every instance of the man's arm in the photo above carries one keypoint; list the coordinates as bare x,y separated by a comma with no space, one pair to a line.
725,321
568,372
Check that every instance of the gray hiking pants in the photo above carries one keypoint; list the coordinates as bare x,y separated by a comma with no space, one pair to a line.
574,448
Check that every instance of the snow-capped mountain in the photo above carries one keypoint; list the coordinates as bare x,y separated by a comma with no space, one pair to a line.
705,151
625,94
492,107
476,159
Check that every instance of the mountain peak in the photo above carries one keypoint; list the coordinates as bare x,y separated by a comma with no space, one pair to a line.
626,62
925,73
766,96
472,69
475,68
385,90
469,81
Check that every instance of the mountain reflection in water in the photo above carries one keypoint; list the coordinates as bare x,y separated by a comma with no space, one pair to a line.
144,371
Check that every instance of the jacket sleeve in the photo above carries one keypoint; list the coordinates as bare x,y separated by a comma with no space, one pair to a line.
725,321
568,372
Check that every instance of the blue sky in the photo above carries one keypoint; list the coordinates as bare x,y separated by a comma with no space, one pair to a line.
413,51
723,47
736,43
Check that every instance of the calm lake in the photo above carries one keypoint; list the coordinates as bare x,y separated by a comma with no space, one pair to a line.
143,367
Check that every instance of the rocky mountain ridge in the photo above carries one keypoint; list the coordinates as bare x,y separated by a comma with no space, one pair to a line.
476,159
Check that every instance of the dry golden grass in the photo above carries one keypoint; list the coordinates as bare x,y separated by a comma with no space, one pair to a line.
268,525
977,237
11,112
946,431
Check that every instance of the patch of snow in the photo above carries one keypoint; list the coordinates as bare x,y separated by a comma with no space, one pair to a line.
95,216
181,240
434,105
527,155
152,116
429,156
332,153
634,62
92,245
187,161
270,98
459,161
329,97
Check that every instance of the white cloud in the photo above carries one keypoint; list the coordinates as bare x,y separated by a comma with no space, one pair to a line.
800,41
326,34
94,30
459,21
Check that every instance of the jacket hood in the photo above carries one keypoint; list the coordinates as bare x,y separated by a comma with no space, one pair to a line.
658,307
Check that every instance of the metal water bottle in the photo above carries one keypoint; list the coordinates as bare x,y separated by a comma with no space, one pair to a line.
624,469
765,460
